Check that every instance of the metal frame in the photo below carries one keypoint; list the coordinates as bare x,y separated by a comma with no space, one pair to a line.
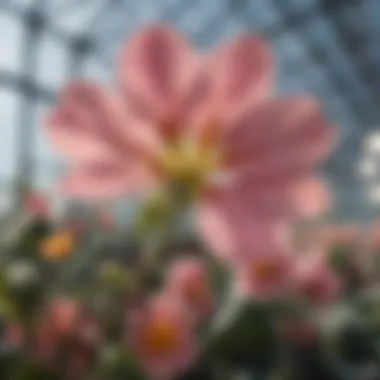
359,93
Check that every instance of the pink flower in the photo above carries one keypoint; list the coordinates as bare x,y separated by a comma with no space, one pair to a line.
37,204
265,275
316,281
58,324
66,330
64,314
187,281
162,337
207,125
15,335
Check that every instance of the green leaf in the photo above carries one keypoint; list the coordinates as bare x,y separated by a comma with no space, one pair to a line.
27,246
341,257
248,339
32,371
355,342
118,364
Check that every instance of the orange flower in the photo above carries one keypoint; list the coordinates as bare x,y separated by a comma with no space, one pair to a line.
57,246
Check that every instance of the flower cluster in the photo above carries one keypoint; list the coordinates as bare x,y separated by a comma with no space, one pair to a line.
202,144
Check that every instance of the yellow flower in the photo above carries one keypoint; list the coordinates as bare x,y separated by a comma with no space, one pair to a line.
57,246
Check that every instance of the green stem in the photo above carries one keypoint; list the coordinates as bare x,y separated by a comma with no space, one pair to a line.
157,226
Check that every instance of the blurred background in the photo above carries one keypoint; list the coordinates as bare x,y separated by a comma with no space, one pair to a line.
327,47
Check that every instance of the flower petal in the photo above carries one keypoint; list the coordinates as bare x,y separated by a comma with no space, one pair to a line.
266,285
104,180
291,195
157,70
316,280
241,75
311,197
289,130
88,124
234,230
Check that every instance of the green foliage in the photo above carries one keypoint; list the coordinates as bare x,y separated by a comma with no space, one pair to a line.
28,243
341,257
117,363
29,370
247,339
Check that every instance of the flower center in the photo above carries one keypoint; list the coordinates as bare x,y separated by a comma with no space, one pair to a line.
266,270
161,338
187,164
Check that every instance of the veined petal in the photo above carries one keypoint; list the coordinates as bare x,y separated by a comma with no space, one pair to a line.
241,75
234,229
157,72
89,124
311,197
104,180
290,129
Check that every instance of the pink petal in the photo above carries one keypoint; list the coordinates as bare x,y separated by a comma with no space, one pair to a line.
170,368
104,180
241,75
88,124
261,200
189,268
261,289
289,130
164,367
316,279
311,197
65,313
157,71
290,195
234,230
37,204
187,280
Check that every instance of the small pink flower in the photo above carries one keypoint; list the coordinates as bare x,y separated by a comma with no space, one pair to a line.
37,205
15,335
316,281
187,281
266,275
208,124
66,330
58,323
162,337
64,314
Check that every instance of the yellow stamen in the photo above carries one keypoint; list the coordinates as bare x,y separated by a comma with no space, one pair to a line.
188,164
